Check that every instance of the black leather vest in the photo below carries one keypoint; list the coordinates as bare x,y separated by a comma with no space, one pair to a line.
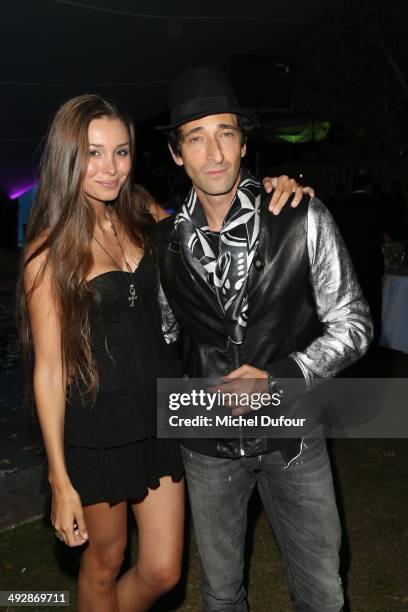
281,315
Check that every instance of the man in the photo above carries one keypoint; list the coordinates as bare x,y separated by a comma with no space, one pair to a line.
257,296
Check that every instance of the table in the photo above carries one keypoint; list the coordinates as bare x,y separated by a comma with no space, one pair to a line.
394,329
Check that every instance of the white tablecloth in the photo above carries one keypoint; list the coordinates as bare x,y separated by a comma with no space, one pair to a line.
394,331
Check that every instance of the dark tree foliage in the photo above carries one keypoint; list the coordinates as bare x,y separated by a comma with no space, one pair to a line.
357,75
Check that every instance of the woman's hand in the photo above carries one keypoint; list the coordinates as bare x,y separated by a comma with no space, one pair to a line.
67,515
284,187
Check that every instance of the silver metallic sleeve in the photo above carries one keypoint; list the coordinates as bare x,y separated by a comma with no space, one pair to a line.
170,327
340,304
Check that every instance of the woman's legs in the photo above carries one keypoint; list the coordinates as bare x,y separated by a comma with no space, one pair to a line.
102,559
160,523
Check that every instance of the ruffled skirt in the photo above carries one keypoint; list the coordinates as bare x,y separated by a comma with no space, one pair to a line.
122,473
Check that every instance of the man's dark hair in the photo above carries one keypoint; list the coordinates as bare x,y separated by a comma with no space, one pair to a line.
245,126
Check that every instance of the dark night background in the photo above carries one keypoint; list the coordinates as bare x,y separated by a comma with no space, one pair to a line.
304,67
344,62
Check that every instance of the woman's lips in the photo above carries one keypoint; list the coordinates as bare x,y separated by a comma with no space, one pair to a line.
109,184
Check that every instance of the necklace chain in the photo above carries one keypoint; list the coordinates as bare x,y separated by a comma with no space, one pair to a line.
132,286
115,233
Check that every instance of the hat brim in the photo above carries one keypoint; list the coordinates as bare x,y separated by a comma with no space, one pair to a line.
194,116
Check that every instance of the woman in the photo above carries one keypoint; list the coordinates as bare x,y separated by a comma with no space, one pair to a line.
89,313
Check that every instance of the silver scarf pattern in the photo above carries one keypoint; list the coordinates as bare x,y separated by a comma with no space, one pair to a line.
226,274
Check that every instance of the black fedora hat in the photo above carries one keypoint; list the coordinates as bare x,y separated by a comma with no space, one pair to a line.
199,92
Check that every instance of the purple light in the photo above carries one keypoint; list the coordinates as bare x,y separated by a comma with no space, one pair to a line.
20,191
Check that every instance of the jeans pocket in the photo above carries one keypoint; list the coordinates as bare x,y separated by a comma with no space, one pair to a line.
292,455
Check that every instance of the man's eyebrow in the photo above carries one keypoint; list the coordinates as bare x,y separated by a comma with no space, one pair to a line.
125,144
193,131
227,126
222,126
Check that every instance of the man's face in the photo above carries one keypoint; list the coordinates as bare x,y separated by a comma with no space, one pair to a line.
211,153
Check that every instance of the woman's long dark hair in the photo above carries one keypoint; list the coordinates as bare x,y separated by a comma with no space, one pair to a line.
63,216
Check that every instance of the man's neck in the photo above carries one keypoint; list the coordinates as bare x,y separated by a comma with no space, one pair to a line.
216,207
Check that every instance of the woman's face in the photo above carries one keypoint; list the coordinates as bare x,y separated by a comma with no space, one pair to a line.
109,160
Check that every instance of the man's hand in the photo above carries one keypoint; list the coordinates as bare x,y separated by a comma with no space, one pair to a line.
284,187
245,371
257,382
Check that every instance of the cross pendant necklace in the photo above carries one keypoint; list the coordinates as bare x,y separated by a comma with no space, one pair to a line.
132,297
132,289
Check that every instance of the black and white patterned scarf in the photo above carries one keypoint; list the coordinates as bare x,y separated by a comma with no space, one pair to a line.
226,273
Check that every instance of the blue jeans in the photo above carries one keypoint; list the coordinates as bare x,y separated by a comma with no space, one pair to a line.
299,502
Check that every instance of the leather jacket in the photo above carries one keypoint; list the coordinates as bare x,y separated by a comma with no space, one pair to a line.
307,315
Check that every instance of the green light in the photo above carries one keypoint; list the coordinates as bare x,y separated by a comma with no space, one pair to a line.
314,131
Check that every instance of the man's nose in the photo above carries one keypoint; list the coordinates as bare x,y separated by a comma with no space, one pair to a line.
214,151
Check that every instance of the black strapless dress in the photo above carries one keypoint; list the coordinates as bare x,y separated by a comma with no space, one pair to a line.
112,453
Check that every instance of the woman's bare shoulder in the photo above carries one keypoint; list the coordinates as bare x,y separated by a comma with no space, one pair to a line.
158,213
31,247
